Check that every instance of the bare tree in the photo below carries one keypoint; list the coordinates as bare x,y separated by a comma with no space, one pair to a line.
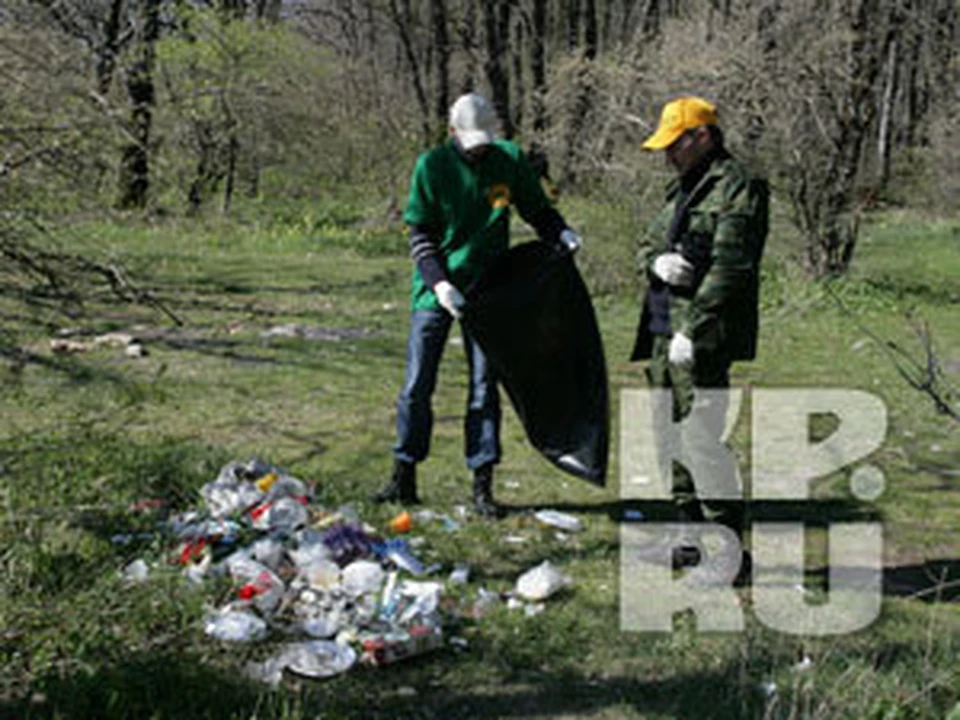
400,14
821,97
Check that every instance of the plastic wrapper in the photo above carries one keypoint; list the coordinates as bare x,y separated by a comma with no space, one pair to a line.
347,542
309,549
233,491
424,600
268,551
460,575
321,574
559,520
235,626
487,600
257,583
287,486
241,486
361,577
322,626
285,514
323,614
137,571
391,647
541,582
398,552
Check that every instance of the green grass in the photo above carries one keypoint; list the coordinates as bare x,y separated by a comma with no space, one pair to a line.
83,437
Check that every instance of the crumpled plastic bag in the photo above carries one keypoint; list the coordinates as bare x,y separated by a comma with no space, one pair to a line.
241,486
258,584
541,582
235,626
362,577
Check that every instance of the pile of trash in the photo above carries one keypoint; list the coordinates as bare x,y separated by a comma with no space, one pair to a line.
334,590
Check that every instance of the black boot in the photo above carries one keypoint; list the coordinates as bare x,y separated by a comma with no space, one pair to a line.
483,502
687,552
402,487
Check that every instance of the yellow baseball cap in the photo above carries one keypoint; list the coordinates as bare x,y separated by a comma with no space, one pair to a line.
678,116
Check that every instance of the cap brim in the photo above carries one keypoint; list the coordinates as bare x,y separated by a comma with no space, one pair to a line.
470,139
662,138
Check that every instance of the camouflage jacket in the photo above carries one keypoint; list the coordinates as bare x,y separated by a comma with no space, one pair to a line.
723,236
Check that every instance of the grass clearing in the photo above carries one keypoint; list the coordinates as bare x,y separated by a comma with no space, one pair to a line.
82,437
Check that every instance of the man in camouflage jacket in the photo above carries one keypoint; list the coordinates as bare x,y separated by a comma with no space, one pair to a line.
701,259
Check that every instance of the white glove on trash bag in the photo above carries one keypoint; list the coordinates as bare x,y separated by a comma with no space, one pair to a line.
450,298
571,240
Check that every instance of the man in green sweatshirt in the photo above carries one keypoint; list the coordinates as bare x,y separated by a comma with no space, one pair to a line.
458,214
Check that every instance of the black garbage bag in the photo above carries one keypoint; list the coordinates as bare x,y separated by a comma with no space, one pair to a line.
532,316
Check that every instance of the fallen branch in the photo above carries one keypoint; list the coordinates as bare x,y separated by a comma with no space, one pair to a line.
926,376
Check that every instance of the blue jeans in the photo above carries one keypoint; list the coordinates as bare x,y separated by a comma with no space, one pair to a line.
428,336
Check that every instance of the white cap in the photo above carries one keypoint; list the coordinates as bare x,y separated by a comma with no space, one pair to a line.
472,120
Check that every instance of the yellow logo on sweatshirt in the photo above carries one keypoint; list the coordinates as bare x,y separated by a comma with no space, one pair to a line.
499,196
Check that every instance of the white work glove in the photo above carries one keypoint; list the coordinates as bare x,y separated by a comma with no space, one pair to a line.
450,298
571,240
673,269
681,351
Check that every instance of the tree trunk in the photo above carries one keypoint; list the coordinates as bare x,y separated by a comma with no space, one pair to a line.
468,38
269,10
538,68
651,20
606,23
517,55
494,14
886,112
441,39
911,93
233,150
834,248
107,57
207,176
401,21
573,24
590,38
626,28
135,157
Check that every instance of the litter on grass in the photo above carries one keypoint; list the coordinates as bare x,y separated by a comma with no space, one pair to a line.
322,589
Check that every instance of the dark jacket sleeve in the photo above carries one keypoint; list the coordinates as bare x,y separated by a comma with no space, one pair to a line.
426,254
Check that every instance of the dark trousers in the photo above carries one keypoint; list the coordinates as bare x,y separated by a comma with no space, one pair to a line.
429,330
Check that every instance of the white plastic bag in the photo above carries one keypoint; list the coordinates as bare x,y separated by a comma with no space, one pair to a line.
559,520
541,582
235,626
362,577
258,584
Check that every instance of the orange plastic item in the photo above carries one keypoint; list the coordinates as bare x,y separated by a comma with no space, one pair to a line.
402,522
